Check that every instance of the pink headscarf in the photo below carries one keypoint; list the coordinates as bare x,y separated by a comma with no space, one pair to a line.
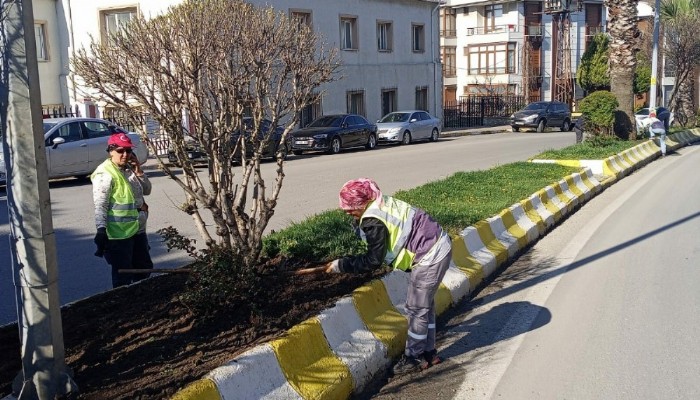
355,194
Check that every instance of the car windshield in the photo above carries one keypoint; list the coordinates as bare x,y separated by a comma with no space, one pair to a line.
396,117
47,127
331,120
536,106
643,111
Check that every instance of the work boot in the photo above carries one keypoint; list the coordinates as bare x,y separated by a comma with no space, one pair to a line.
408,364
432,358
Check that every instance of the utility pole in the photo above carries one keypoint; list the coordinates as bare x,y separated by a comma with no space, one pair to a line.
654,57
44,373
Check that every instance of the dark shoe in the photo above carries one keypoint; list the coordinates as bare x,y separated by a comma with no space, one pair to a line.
408,364
432,358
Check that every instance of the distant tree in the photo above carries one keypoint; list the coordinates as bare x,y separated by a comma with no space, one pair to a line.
592,73
681,19
215,61
642,74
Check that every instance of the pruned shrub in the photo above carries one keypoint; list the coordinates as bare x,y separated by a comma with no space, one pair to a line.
599,108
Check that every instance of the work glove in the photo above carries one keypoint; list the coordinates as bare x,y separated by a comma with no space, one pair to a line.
101,240
332,267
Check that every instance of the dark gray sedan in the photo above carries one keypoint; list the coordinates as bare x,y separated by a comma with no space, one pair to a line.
331,133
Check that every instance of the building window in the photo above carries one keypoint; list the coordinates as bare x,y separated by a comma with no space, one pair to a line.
418,37
448,22
491,13
356,102
42,51
301,17
312,111
388,101
422,98
491,59
449,61
348,33
385,36
114,21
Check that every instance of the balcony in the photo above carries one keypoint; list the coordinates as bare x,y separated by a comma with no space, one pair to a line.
494,29
594,30
448,33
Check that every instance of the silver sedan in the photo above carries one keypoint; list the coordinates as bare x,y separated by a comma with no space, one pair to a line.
76,146
407,126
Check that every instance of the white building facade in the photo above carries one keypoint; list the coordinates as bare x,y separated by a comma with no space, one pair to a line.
388,49
510,47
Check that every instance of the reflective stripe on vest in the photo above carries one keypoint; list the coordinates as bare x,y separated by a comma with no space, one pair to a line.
122,215
397,215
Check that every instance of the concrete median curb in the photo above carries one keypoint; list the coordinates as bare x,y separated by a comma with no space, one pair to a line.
341,350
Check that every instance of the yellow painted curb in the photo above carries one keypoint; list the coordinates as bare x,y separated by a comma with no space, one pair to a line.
512,226
466,263
443,299
492,244
310,365
203,389
381,317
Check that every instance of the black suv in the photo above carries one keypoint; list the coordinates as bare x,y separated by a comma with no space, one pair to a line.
542,114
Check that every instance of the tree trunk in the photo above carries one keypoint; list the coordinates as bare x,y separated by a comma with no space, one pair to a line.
622,27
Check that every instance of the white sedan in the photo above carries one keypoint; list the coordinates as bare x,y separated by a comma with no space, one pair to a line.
643,114
76,146
407,126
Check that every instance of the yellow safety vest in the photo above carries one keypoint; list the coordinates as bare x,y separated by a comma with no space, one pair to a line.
122,216
397,215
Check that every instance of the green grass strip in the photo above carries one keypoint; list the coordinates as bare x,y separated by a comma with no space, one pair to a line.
456,202
588,151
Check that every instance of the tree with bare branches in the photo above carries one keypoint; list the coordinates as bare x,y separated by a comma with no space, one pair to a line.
217,62
682,49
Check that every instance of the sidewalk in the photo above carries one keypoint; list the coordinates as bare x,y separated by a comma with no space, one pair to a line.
479,130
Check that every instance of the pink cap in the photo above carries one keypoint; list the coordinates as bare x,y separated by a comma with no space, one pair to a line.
120,140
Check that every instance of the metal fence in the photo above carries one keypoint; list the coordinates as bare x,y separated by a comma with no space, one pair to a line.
60,111
470,111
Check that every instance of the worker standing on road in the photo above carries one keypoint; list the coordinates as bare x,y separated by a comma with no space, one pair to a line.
408,239
656,127
118,187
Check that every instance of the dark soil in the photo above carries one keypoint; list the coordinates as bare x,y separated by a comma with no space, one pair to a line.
140,342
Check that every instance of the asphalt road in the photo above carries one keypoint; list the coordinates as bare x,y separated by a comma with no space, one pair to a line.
604,307
310,186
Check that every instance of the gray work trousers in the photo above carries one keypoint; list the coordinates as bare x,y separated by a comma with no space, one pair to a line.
424,282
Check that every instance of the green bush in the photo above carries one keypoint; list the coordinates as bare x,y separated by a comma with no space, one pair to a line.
219,281
599,108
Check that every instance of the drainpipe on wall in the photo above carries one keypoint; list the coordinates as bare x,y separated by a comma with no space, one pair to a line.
437,83
71,44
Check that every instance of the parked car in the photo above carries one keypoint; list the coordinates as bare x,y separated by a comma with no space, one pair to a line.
543,114
76,146
407,126
198,156
332,133
643,113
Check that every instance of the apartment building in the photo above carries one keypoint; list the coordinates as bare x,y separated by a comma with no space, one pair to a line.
388,48
515,47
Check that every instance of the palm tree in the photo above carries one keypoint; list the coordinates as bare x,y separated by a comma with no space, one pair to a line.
624,34
682,50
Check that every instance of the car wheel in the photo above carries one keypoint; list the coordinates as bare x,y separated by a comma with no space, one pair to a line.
515,129
566,126
297,152
435,135
335,145
371,142
541,125
406,139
